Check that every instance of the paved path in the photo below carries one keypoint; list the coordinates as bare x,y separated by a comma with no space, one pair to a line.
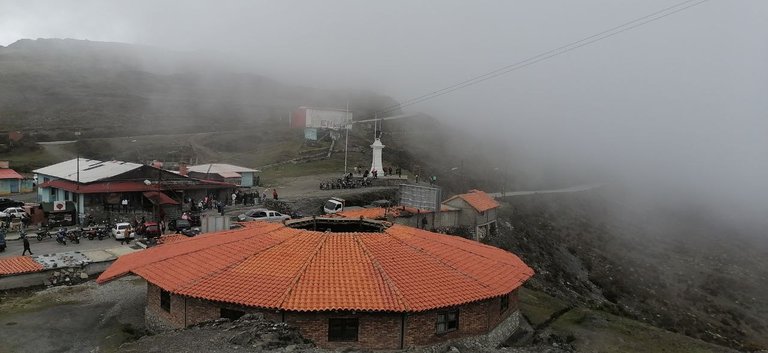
49,245
576,188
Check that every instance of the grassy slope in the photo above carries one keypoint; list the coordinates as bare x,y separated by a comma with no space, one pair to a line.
598,331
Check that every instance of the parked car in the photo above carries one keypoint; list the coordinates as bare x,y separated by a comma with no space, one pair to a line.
262,214
149,230
18,212
177,225
6,202
118,231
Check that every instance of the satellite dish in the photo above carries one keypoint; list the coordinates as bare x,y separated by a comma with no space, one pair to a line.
147,182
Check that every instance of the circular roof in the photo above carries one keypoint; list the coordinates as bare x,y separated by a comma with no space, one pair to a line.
268,265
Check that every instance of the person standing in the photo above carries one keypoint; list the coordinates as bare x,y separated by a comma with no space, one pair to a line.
399,172
26,247
274,193
234,197
126,236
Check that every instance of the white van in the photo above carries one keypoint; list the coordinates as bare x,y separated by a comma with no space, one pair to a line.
334,205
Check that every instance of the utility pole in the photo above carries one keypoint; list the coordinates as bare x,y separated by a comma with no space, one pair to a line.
77,185
347,126
77,152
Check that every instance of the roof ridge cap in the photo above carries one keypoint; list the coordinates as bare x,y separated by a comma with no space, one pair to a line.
384,276
234,263
443,262
302,270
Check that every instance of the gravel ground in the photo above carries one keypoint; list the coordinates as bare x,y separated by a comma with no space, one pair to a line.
80,318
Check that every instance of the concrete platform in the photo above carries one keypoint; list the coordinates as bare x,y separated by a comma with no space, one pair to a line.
87,262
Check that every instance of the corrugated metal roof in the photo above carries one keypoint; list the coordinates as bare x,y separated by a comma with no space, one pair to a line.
132,186
218,168
9,174
90,169
230,175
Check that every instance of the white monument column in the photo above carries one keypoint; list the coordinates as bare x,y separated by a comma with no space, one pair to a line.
377,146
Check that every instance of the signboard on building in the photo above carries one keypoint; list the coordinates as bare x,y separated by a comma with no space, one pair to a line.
320,118
421,197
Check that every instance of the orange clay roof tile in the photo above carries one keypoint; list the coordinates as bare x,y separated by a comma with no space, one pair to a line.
479,200
369,213
19,264
381,213
272,266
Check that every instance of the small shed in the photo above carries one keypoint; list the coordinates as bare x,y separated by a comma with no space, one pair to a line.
478,211
12,182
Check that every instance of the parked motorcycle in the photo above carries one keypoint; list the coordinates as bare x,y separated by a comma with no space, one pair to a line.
191,232
61,236
43,233
95,233
74,235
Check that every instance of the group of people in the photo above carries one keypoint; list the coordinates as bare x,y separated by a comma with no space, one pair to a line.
206,203
375,173
246,198
251,198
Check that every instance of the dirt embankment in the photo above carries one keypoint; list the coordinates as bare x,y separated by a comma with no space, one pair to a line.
250,333
81,318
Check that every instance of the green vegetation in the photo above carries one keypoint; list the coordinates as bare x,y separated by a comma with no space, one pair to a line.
590,330
538,306
28,160
598,331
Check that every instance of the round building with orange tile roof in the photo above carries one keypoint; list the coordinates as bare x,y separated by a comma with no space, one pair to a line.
342,282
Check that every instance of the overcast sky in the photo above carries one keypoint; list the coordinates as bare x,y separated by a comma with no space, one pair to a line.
681,100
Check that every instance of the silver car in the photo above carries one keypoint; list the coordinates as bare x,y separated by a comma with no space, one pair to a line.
262,214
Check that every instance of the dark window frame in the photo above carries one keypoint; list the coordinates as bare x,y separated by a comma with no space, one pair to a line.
340,329
165,300
443,319
504,304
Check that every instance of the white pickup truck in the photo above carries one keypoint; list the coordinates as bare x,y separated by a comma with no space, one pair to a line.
262,214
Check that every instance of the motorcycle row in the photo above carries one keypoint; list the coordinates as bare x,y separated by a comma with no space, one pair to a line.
62,235
345,183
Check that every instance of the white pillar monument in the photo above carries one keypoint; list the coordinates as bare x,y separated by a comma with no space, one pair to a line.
376,165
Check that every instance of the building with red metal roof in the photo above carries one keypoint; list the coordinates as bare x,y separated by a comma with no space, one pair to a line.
478,211
13,182
116,186
342,282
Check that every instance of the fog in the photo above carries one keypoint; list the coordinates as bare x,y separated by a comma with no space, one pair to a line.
676,107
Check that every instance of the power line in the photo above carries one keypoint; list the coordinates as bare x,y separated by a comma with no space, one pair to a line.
640,21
